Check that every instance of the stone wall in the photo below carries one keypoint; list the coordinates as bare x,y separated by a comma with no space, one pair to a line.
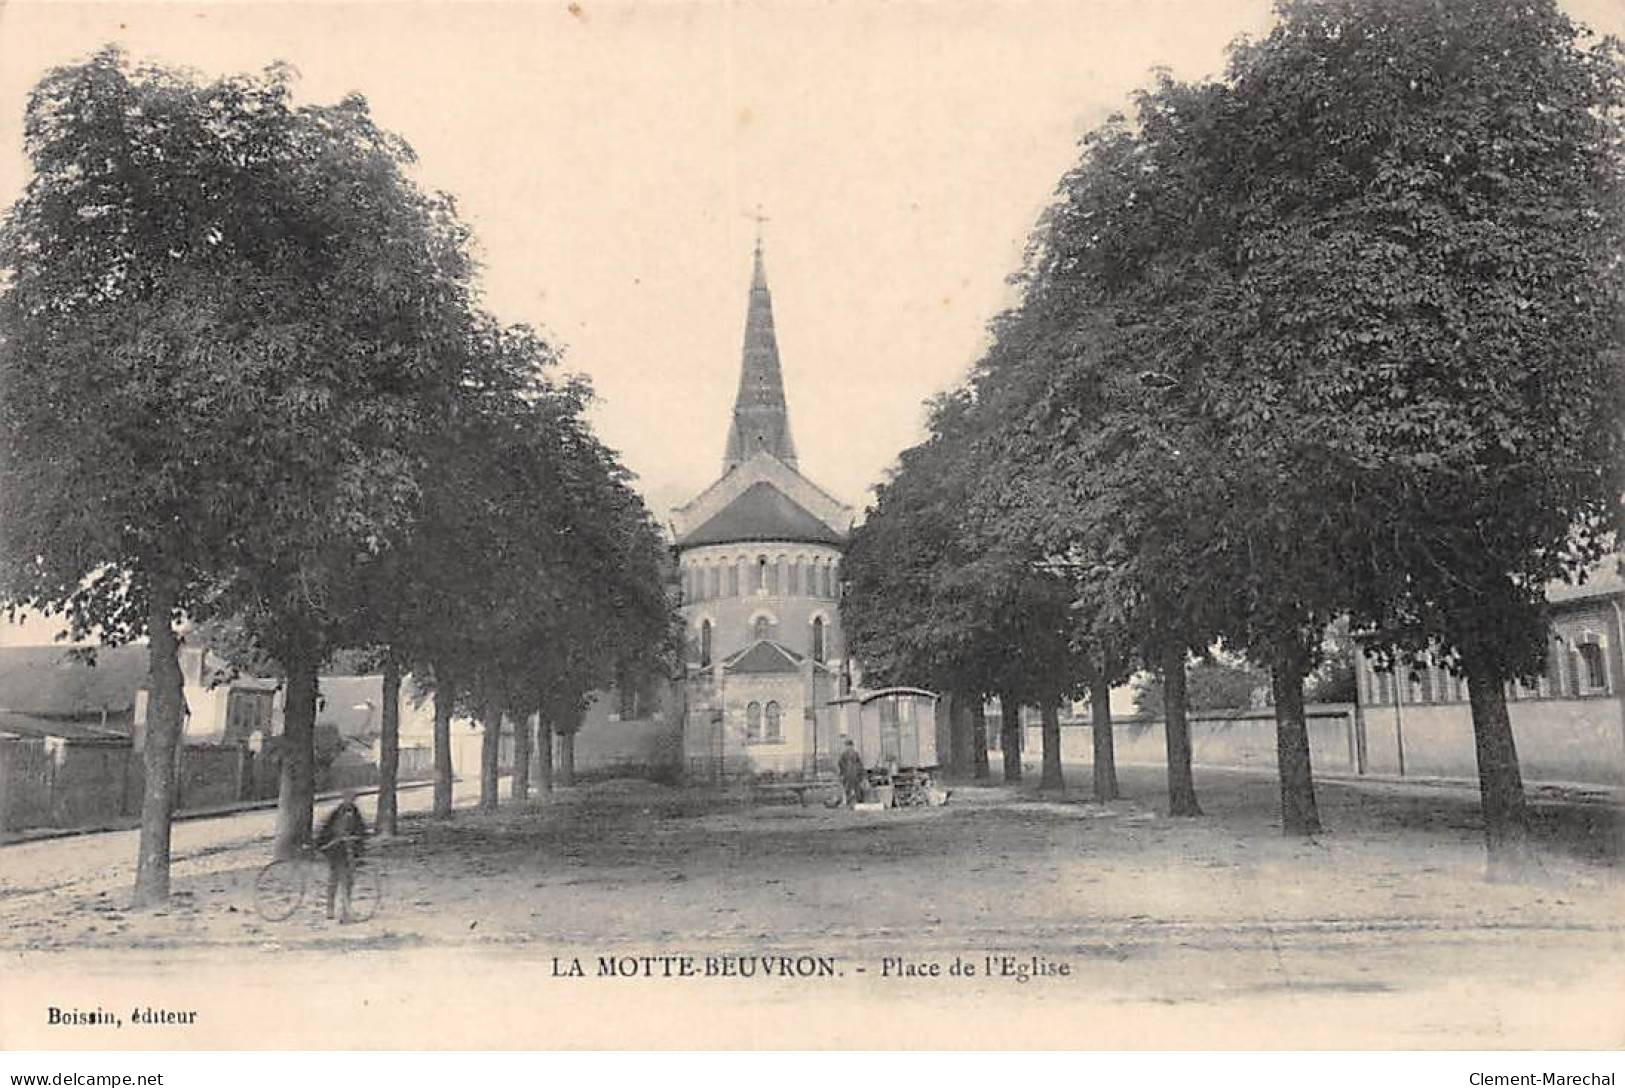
1232,741
1559,740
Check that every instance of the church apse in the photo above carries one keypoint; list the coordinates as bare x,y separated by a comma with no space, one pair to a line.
759,553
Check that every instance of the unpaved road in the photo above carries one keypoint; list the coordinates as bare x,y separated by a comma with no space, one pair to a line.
1170,933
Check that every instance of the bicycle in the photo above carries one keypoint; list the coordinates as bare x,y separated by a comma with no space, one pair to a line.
281,886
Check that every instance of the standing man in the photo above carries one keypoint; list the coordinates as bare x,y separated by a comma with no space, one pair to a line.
851,767
340,843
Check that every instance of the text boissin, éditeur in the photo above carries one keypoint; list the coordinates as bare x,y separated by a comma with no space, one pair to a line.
101,1018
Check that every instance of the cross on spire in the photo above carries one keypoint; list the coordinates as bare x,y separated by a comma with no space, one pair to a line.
760,219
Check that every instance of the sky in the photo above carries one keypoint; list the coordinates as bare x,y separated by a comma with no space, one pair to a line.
611,159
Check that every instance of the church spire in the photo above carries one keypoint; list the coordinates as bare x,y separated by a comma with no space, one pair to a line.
761,419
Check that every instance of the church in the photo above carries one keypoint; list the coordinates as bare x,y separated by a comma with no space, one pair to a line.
759,553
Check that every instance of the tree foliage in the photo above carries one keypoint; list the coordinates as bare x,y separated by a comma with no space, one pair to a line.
1211,684
1337,335
247,382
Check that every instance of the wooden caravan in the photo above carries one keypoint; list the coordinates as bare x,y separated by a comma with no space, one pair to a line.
892,724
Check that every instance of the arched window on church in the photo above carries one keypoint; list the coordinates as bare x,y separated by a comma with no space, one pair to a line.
705,644
753,722
773,576
762,628
760,584
795,577
823,579
818,640
772,721
733,579
713,581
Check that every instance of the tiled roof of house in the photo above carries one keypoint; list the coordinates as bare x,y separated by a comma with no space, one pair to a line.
761,512
44,680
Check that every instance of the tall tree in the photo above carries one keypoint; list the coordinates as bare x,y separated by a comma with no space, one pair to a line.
190,286
1435,203
937,600
377,292
544,574
901,613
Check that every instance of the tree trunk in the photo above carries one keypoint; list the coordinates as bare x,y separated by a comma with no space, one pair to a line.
978,740
959,757
567,758
445,696
389,750
163,736
1177,728
1299,815
490,757
1500,781
544,748
1010,735
296,798
1051,778
523,730
1100,716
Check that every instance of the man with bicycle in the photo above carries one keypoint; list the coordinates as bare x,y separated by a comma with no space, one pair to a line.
340,841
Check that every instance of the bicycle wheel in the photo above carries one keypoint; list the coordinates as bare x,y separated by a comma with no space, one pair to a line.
366,894
280,888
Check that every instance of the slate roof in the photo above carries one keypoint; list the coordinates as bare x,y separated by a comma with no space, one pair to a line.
43,680
766,657
762,658
761,419
761,512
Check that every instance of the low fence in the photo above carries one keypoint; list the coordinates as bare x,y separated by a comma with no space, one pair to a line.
52,782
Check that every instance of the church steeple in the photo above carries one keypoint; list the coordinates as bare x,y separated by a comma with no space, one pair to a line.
761,419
